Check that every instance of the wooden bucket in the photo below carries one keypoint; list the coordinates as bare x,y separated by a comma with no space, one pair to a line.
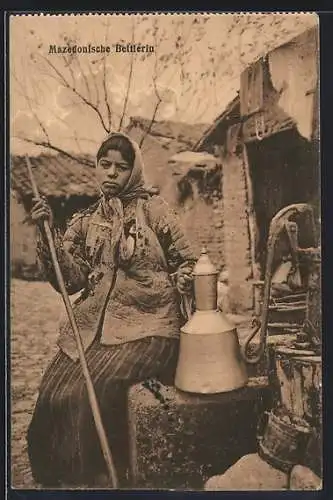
284,441
299,377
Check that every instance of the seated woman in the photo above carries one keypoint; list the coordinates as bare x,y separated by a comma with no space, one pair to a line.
120,254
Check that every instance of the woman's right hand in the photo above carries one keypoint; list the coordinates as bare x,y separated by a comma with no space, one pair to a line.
41,211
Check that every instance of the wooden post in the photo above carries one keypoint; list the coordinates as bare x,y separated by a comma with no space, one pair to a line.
251,212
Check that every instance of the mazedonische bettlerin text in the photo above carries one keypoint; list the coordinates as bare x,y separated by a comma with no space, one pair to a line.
100,49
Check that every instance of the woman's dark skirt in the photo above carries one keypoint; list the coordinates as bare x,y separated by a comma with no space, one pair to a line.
62,440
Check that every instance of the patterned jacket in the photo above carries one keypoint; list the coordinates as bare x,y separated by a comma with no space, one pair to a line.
137,300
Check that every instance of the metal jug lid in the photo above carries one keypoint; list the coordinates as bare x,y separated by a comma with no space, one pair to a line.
204,267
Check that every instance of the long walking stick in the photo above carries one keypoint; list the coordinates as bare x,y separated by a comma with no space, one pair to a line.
90,387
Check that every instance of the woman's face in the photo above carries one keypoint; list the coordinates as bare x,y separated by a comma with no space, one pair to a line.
112,172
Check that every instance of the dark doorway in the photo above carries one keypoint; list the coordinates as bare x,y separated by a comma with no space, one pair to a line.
284,169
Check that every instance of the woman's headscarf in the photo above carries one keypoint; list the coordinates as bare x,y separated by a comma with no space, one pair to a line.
135,188
136,184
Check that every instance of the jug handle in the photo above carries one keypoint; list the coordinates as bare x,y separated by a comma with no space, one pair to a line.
277,225
245,348
261,325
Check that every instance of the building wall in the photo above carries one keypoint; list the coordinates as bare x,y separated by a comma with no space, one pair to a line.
203,225
22,241
155,158
236,234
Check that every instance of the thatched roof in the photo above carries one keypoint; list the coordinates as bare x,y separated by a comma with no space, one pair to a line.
166,131
55,175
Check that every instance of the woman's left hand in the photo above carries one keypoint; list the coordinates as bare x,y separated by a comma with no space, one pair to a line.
184,279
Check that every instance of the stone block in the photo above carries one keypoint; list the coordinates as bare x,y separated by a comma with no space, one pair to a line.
303,478
179,440
250,473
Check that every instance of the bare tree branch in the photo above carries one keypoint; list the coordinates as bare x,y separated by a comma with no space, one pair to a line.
67,85
105,90
159,99
70,69
48,142
153,118
152,121
48,145
186,39
77,142
32,111
93,76
85,79
93,91
155,76
129,82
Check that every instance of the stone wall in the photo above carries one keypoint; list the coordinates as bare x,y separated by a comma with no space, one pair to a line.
202,221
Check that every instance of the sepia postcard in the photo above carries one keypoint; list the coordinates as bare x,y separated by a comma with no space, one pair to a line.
165,253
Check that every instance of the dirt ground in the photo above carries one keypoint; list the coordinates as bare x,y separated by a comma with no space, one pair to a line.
35,310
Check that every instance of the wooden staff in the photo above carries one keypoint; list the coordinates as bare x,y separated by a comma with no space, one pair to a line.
90,387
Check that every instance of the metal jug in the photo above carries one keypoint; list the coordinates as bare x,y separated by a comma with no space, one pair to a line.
210,357
209,360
